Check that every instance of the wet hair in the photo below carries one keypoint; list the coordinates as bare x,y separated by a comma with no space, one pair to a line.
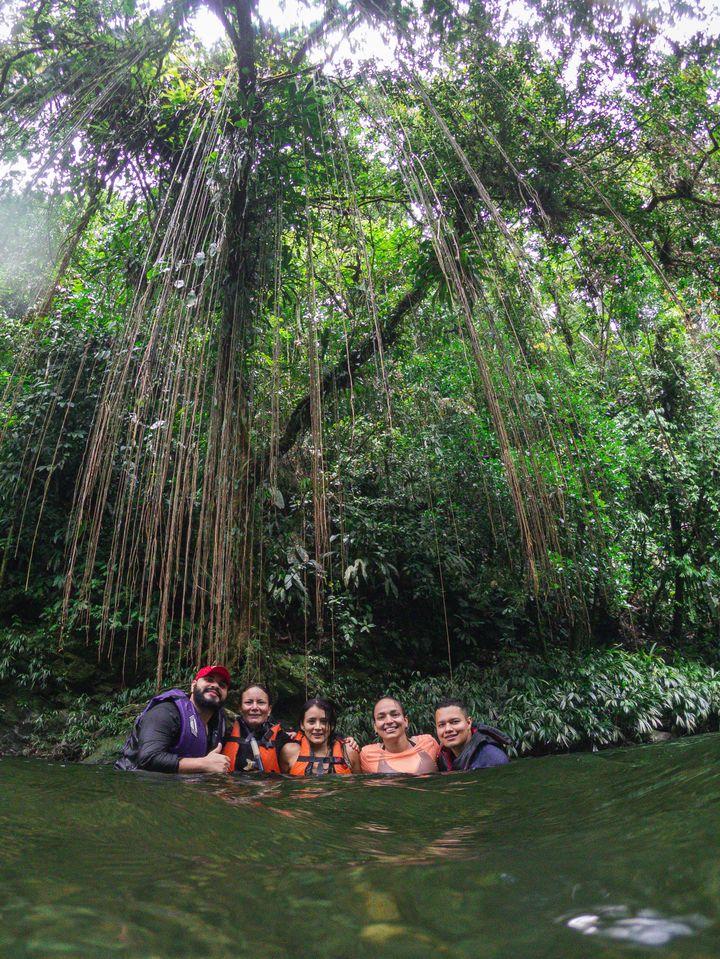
393,699
451,701
257,686
327,707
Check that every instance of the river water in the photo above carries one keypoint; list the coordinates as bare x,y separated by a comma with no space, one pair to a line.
612,854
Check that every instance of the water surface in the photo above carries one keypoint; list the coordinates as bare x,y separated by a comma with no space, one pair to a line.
612,854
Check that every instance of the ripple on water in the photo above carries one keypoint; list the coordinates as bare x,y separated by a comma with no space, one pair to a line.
646,927
95,863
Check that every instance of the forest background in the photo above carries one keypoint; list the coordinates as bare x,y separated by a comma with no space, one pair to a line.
373,346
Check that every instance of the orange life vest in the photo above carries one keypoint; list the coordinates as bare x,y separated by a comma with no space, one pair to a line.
265,758
308,764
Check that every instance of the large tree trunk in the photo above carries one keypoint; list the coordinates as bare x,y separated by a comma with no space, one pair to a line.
225,547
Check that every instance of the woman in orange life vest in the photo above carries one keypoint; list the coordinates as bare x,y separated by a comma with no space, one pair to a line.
318,750
255,742
397,752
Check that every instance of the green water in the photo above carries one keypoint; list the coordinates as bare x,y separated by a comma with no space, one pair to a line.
577,856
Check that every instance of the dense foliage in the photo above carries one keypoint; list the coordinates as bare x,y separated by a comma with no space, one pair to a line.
342,371
546,704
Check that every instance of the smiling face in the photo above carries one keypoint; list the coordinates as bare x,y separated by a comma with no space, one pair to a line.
453,727
316,726
391,723
209,692
255,706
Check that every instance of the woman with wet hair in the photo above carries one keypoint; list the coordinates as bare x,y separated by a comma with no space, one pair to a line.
397,752
255,742
318,750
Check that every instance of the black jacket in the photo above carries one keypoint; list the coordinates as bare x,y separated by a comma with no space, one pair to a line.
148,745
486,747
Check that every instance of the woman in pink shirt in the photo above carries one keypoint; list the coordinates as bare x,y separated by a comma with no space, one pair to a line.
397,752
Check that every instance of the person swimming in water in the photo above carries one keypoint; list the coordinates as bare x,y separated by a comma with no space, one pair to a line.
255,742
179,732
397,752
318,750
466,745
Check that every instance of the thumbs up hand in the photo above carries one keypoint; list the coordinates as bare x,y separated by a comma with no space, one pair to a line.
215,762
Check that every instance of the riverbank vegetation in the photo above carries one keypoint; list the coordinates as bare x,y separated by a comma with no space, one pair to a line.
556,702
347,369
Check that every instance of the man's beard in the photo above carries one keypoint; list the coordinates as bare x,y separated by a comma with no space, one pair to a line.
200,700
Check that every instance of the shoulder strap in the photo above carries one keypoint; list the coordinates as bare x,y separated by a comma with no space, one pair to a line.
256,754
312,760
239,740
267,740
494,736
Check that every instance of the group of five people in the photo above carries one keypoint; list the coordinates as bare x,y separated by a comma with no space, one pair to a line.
181,733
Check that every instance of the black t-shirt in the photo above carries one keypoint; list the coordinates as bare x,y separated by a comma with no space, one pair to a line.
148,746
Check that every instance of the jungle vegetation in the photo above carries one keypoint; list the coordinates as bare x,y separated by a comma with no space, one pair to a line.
340,366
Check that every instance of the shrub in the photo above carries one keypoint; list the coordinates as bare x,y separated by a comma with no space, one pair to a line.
562,701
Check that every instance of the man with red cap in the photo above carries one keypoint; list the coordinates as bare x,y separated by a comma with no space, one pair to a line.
177,733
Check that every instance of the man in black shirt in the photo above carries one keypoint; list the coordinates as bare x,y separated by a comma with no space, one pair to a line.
177,733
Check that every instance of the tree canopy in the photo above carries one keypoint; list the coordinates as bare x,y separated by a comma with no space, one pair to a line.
311,356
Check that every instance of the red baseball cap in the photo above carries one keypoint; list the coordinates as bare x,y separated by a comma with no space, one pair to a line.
214,670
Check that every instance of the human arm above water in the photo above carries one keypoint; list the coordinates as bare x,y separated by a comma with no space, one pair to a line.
158,733
214,762
352,755
288,755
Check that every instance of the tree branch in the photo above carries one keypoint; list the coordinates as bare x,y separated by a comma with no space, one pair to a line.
18,56
340,376
316,34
